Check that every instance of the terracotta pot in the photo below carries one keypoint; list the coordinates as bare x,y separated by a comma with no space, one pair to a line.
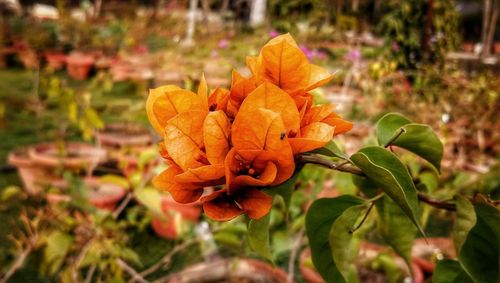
496,47
77,155
28,172
468,47
230,270
124,134
55,60
101,194
79,64
174,214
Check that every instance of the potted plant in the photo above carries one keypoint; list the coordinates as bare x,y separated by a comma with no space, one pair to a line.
79,65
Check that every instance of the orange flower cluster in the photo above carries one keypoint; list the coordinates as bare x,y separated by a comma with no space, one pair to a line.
244,138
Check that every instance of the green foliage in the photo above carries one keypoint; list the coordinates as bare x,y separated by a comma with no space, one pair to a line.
322,214
412,40
258,236
417,138
385,170
450,271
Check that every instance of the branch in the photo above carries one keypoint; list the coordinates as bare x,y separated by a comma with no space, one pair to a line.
313,159
18,264
436,203
293,255
136,276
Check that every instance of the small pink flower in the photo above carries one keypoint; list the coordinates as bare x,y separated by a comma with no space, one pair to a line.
223,43
273,33
353,55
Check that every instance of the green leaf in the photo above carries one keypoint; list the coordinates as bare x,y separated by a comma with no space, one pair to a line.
58,245
258,236
450,271
430,180
421,140
344,252
385,170
480,252
388,125
319,220
150,198
396,228
332,150
116,180
285,190
465,220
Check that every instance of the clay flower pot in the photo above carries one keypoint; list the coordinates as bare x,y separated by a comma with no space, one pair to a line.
101,194
55,60
174,215
26,169
76,155
124,134
79,64
230,270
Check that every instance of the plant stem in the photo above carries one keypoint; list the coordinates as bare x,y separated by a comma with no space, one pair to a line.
313,159
436,203
395,137
293,255
372,204
136,276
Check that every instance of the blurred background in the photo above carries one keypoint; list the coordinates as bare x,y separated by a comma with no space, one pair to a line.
77,153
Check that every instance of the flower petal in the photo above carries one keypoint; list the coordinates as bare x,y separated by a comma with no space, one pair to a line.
341,125
203,91
219,207
318,77
313,136
255,203
165,102
241,87
216,131
269,96
208,175
184,138
218,99
184,193
283,64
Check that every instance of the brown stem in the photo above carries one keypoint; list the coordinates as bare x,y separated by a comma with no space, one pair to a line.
127,268
436,203
293,255
364,218
313,159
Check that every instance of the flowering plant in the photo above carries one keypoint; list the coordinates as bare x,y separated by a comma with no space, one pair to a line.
233,150
246,138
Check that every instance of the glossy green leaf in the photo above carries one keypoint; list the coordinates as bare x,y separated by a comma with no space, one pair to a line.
319,220
258,236
385,170
388,125
344,252
480,253
465,220
421,140
430,181
396,228
450,271
332,150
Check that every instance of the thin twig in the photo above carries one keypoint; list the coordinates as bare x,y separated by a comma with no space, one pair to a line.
372,204
90,274
313,159
167,259
395,137
293,255
437,203
127,268
17,264
122,205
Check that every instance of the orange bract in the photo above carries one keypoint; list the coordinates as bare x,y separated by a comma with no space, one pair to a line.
245,138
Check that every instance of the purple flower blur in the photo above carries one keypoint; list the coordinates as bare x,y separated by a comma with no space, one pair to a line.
273,33
353,55
223,43
312,54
